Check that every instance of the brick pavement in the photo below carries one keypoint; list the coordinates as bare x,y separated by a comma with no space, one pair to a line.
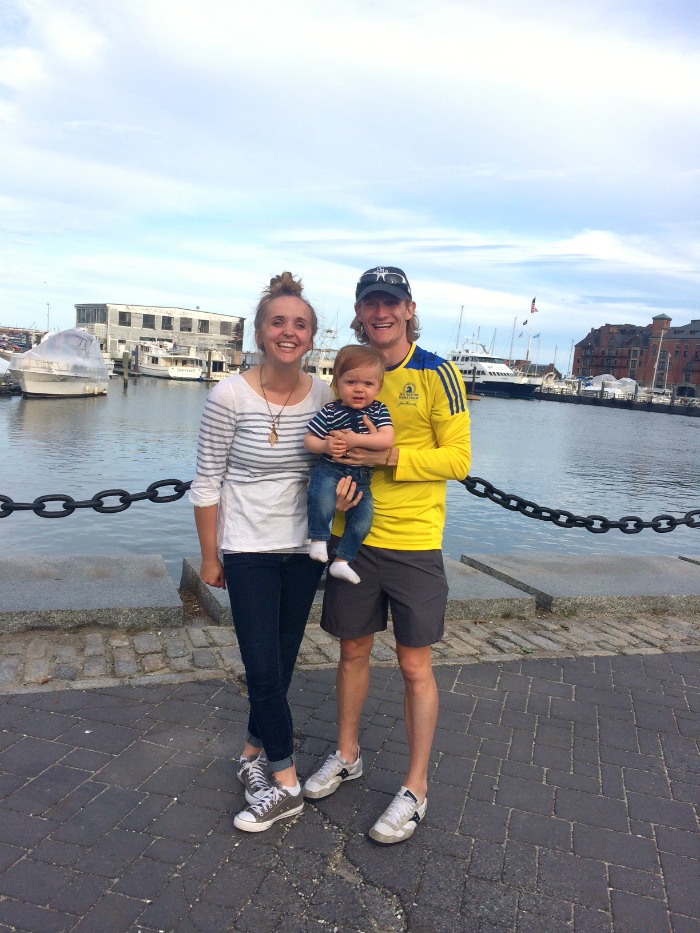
564,796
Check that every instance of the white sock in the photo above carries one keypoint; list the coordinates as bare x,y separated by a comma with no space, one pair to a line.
342,570
319,551
294,791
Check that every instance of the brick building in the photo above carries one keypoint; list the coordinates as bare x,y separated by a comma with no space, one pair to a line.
656,356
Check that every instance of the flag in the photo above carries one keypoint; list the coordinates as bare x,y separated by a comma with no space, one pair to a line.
535,336
533,309
524,322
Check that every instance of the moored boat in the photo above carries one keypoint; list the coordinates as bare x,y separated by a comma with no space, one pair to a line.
65,364
486,374
169,362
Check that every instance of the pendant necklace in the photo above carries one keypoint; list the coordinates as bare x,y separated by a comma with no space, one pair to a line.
273,436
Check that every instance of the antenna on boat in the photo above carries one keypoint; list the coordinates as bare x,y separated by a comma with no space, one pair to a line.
459,325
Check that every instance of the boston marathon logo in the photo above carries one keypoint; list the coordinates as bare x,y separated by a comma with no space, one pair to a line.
408,394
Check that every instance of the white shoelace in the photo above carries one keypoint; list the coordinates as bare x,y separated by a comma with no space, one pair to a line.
257,775
400,809
273,796
329,768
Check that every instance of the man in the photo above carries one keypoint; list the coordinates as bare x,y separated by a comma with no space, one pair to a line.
400,563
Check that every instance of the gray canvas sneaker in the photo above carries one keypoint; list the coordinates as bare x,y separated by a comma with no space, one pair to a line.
399,819
277,804
334,770
254,776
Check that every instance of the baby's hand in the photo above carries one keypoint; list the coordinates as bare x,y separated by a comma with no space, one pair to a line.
336,446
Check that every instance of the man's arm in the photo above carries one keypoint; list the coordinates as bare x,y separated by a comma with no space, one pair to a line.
379,439
451,458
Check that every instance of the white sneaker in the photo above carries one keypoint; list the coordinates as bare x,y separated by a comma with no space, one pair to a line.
399,819
334,770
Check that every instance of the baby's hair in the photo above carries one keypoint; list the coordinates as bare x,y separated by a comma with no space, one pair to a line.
354,356
284,284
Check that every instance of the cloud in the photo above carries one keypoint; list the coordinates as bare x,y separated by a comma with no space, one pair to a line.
165,151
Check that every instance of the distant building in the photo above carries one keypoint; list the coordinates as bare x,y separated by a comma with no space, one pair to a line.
120,327
656,355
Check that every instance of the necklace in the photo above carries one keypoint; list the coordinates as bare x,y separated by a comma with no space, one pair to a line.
273,436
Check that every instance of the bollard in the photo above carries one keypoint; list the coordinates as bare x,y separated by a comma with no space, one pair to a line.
125,366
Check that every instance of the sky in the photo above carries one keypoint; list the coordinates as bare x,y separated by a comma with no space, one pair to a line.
164,152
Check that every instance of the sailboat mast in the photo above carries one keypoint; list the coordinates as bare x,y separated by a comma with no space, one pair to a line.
512,338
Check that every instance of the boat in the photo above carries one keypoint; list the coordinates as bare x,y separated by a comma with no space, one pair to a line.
168,361
486,374
216,365
607,386
321,359
7,384
66,364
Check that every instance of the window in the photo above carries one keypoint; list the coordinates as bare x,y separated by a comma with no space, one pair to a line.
203,327
149,321
186,325
125,318
166,323
91,315
225,328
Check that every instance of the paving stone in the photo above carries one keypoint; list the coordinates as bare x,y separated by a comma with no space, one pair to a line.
197,637
95,666
152,662
94,643
146,643
37,671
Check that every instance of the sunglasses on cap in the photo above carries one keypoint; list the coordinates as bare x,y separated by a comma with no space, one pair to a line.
374,279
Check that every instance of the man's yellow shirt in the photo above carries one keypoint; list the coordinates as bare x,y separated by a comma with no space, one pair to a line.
427,402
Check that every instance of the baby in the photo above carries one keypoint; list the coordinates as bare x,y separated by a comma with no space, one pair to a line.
358,374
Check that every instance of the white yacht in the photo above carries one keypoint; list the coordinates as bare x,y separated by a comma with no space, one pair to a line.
65,364
166,361
486,374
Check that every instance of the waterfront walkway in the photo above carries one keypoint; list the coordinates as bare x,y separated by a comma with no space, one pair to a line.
564,793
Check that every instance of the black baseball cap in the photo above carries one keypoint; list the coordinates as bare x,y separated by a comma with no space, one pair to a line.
389,279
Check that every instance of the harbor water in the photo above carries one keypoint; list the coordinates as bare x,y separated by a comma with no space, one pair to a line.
585,460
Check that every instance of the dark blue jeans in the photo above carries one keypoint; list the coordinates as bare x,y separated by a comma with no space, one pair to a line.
271,596
321,506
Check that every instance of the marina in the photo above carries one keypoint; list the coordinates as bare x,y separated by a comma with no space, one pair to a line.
586,459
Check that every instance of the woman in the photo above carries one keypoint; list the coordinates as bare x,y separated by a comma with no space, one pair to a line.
249,494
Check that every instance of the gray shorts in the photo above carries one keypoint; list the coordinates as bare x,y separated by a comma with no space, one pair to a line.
410,583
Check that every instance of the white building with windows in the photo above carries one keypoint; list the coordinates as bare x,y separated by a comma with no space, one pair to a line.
122,327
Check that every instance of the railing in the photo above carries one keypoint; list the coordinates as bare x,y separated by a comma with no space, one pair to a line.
562,518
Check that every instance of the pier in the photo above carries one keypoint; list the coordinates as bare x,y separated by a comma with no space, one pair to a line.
676,406
563,786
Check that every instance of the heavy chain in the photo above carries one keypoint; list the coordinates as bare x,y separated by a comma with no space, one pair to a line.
98,501
596,524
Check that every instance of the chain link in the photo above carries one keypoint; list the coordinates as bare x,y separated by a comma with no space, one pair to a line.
596,524
562,518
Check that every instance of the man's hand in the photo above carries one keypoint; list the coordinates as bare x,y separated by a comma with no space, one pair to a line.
358,455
